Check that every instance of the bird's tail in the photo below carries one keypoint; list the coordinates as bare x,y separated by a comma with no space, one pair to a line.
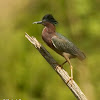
81,56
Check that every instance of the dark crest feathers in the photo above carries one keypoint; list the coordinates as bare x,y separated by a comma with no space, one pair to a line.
49,18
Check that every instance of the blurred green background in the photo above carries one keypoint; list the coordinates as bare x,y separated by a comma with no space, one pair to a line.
24,73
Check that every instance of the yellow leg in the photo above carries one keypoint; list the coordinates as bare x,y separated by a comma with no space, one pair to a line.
71,71
71,68
71,78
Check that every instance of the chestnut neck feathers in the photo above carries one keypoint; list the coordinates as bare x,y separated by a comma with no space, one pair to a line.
49,28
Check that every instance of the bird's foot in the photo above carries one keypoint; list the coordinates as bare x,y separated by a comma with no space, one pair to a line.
61,66
70,79
57,65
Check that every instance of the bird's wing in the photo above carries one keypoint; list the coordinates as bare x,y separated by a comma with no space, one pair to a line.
64,45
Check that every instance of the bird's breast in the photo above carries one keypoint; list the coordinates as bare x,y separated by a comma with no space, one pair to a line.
47,38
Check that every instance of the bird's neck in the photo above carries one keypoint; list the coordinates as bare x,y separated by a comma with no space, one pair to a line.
49,28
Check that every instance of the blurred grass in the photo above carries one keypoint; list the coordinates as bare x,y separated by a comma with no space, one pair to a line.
23,71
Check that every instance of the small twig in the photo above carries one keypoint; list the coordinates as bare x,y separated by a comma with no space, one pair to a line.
61,72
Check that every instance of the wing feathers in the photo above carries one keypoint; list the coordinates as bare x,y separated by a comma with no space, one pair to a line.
64,45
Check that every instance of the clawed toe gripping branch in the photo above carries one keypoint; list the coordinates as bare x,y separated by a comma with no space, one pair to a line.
61,72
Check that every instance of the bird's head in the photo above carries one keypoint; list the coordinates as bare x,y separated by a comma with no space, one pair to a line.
47,19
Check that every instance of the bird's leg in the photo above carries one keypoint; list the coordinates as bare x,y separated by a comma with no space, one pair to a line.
71,71
71,78
63,63
71,68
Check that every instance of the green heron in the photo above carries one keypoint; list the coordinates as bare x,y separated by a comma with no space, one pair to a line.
58,42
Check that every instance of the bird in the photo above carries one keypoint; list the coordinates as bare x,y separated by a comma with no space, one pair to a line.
59,43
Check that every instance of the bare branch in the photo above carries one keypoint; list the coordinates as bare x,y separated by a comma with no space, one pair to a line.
61,72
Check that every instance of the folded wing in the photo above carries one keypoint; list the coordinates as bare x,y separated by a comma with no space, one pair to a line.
64,45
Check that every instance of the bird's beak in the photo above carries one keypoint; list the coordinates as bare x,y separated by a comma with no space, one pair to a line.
39,22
